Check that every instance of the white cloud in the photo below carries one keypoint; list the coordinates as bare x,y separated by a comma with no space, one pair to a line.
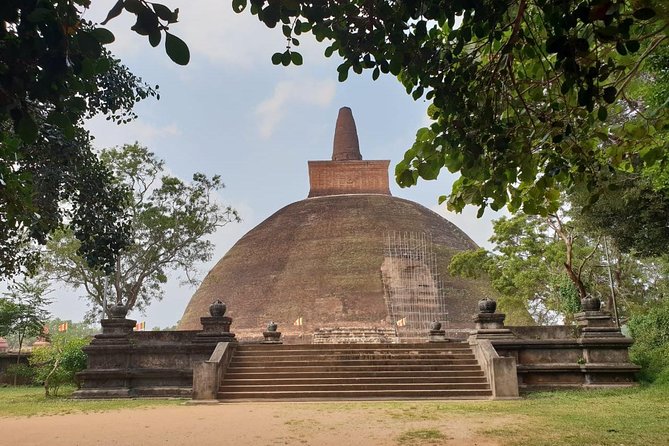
109,134
308,92
213,31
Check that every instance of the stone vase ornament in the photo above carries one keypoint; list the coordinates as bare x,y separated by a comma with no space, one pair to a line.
119,311
589,303
435,326
487,305
272,326
217,309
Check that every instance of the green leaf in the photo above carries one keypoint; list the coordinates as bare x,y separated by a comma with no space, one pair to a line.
602,113
405,178
40,15
103,65
609,94
429,170
620,47
644,14
164,12
154,38
103,35
134,6
343,73
480,212
27,129
296,58
633,46
276,58
376,73
114,12
176,49
285,58
239,5
63,122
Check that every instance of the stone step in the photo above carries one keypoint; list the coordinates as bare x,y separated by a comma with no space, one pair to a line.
474,373
346,380
348,386
356,395
345,359
343,368
300,356
328,347
353,372
235,363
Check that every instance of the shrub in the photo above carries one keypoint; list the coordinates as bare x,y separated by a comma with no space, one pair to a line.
58,363
21,373
650,331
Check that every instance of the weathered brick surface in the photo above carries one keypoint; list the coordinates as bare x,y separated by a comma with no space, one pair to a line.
348,177
320,259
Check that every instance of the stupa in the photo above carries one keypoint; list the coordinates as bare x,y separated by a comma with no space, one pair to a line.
349,256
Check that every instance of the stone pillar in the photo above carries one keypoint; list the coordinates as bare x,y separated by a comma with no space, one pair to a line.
597,324
437,334
109,359
271,336
115,331
491,326
215,328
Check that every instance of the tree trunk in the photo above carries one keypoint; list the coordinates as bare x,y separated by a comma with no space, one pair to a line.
48,377
18,356
582,292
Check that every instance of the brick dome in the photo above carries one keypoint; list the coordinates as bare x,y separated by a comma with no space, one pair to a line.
325,259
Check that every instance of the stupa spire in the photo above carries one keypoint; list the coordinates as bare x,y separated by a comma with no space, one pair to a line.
346,146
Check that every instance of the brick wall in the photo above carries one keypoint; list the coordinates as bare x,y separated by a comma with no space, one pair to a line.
348,177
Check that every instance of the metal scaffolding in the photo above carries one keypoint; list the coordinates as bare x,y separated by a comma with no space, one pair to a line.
413,292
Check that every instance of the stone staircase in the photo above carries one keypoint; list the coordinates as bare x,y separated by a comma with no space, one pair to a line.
354,372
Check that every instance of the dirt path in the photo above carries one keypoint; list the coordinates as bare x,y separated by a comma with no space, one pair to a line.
256,424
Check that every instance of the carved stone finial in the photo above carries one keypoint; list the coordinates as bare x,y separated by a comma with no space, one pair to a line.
346,146
217,308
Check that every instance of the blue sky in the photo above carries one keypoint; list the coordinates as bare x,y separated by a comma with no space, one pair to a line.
231,112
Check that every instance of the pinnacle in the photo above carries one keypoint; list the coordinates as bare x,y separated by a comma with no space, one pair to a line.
346,146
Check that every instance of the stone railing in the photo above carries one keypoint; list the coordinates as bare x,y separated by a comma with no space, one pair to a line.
500,371
124,363
207,375
592,354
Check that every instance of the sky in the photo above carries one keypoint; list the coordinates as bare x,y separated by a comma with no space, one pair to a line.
231,112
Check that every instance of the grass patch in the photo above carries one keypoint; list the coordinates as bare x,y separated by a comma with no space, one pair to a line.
627,416
420,436
29,401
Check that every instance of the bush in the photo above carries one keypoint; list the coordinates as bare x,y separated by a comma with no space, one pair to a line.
58,363
22,372
650,331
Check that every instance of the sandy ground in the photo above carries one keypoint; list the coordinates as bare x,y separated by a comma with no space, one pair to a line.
244,424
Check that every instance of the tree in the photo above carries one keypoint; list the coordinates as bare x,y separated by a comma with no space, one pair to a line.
650,330
54,73
22,310
45,175
527,98
631,210
543,266
168,220
525,268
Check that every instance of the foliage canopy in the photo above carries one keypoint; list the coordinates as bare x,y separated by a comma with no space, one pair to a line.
54,73
168,222
527,97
